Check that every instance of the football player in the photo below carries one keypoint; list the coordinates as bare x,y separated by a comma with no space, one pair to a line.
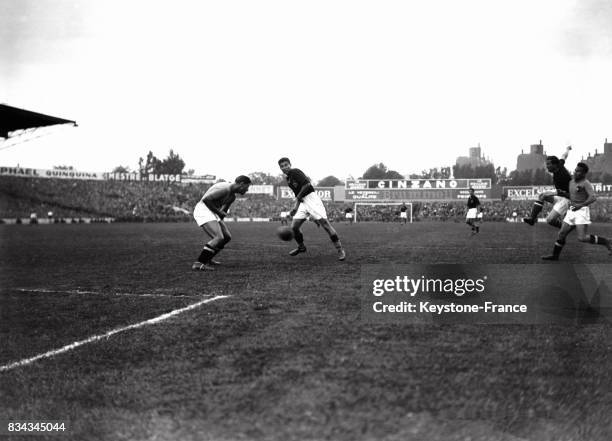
209,213
578,216
471,218
307,203
559,197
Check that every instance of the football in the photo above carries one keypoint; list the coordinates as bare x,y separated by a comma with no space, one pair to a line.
284,233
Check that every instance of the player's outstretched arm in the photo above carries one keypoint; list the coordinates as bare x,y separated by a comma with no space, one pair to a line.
566,152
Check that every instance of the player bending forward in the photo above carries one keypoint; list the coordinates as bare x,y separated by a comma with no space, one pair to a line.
472,217
578,216
558,197
209,213
308,203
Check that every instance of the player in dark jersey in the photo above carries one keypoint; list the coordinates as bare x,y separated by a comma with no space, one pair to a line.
308,203
209,213
558,197
404,213
471,218
578,217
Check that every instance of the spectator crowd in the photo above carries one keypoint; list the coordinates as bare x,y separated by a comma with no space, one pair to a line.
158,201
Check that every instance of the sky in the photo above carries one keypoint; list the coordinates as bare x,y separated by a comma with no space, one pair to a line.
335,85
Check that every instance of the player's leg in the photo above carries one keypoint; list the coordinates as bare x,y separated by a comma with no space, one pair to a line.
554,219
331,231
470,218
213,246
547,196
227,236
313,205
566,229
558,212
583,236
297,234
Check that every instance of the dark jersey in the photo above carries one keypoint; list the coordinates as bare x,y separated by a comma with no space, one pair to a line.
403,208
296,179
473,202
562,178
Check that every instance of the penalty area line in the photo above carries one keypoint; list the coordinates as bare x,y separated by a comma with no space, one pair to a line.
108,334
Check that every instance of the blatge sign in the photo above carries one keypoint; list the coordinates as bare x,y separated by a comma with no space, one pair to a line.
151,177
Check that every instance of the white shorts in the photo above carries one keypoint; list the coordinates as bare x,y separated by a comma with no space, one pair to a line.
578,217
203,215
349,215
561,205
472,213
311,205
403,215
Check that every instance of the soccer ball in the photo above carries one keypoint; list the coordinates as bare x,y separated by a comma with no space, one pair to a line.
284,233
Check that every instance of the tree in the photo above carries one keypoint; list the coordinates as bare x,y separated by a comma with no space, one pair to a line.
121,169
380,171
172,165
149,165
330,181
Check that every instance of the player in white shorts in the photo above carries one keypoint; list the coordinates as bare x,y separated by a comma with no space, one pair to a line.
209,213
308,203
404,213
578,216
471,218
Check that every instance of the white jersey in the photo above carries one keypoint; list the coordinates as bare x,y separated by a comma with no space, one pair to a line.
202,214
224,186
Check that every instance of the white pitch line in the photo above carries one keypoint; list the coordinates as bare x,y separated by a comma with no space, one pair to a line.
78,291
76,344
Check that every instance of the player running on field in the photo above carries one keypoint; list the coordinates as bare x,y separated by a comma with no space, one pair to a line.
209,213
308,203
471,218
578,216
558,197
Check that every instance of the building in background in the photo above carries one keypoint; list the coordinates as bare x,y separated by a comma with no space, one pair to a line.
534,160
475,158
600,164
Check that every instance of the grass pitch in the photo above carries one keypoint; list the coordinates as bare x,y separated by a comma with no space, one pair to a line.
286,355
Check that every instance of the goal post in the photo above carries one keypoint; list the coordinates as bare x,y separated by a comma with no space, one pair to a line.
387,204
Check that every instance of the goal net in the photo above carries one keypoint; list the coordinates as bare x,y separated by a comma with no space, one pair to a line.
382,211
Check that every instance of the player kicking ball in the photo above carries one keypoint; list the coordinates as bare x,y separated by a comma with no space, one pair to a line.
558,197
578,216
308,203
472,217
209,213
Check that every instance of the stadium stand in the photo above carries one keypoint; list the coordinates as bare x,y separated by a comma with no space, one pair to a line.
167,202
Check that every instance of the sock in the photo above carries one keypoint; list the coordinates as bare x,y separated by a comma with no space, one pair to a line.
598,240
537,207
556,222
558,247
336,241
207,253
299,237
